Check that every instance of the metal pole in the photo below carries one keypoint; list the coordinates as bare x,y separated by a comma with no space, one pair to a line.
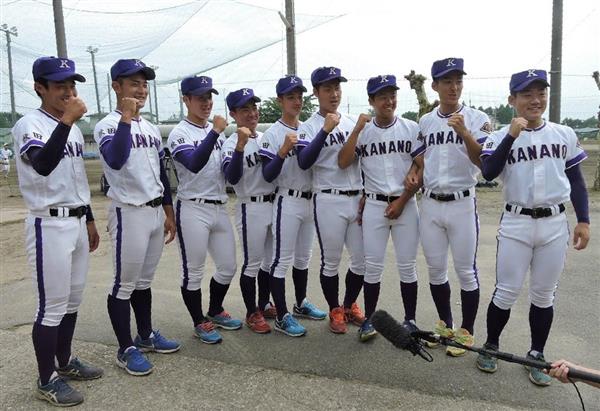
93,51
10,32
155,101
556,61
180,105
108,83
290,37
59,28
150,101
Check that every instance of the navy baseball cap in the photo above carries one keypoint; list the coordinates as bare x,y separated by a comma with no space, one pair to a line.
240,97
442,67
196,86
55,69
520,81
380,82
322,74
289,83
129,67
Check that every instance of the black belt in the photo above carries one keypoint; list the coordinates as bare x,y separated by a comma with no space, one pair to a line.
297,193
205,201
73,212
540,212
155,203
263,199
342,192
381,197
448,197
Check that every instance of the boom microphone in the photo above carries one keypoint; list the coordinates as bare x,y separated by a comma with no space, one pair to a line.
397,334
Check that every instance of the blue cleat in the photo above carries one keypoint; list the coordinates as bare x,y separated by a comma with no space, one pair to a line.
537,376
290,326
410,326
156,343
225,321
308,310
134,362
366,331
78,370
207,333
57,392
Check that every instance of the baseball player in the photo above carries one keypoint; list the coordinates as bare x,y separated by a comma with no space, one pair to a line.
132,159
336,197
451,142
201,215
386,146
58,238
5,155
293,222
241,164
538,162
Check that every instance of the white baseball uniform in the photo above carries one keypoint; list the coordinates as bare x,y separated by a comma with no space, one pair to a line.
293,223
450,172
534,177
254,208
136,229
5,155
57,246
336,215
201,215
386,154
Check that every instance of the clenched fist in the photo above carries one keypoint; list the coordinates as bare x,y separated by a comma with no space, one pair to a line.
129,107
290,141
331,122
74,109
363,119
219,124
517,125
243,136
457,122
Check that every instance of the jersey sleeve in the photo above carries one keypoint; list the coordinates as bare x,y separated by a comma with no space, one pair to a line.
417,144
227,150
268,145
482,127
105,130
178,141
575,153
28,132
160,146
306,134
492,142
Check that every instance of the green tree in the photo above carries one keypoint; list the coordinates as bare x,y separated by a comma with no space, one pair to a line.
411,115
270,111
578,123
5,119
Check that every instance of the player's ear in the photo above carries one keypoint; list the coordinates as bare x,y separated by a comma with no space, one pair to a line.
434,85
316,91
39,88
511,99
116,86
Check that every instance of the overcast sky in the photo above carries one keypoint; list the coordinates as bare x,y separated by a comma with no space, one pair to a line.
372,37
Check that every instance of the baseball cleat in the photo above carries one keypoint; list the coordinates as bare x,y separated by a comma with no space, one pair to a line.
487,363
270,311
156,343
537,376
463,337
78,370
410,326
57,392
354,315
337,321
290,326
366,331
207,333
442,330
134,362
256,322
308,310
225,321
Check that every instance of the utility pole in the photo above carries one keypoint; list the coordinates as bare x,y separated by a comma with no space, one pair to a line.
93,51
155,94
59,28
10,32
289,20
556,60
180,104
108,83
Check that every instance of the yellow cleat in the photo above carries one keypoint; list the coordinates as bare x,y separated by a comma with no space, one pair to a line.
463,337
